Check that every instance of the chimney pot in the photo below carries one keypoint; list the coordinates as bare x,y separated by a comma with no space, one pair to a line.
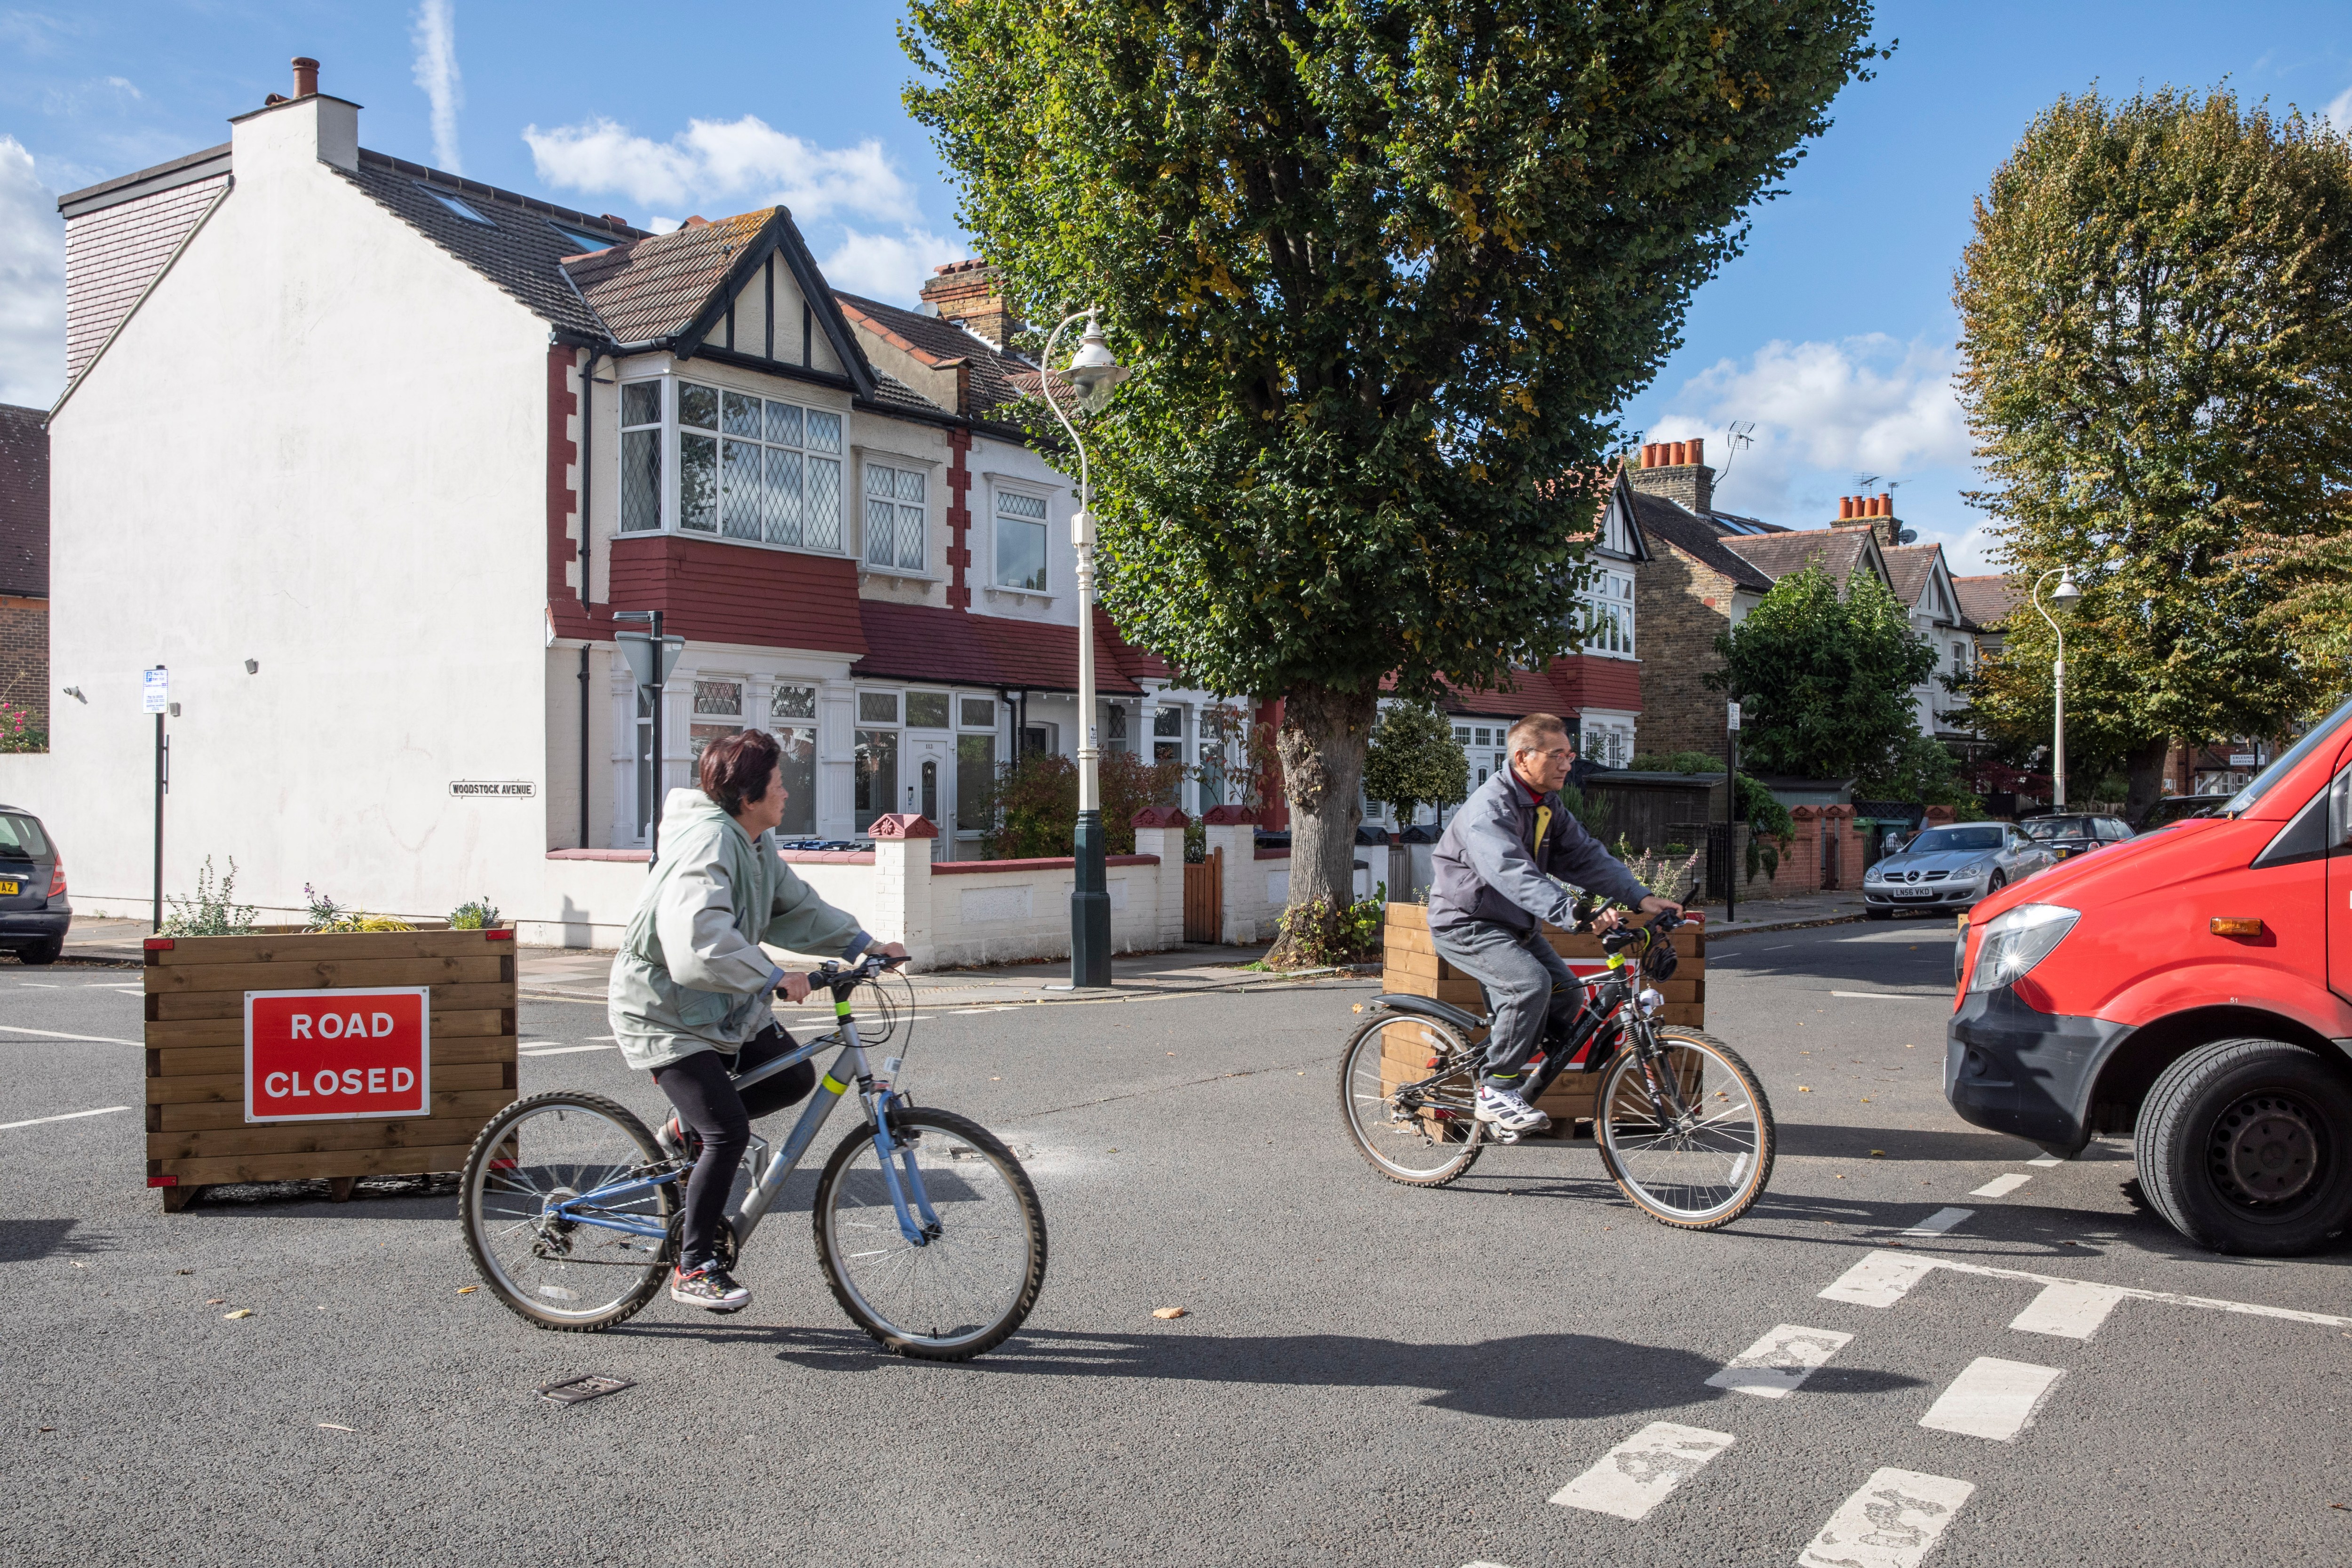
1698,449
1887,503
1649,454
1682,453
1845,509
306,77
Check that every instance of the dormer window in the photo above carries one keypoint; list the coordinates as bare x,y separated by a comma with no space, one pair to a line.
456,207
580,240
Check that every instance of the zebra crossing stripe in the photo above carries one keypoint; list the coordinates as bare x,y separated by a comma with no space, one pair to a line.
2071,1311
2001,1186
1881,1280
1993,1398
1778,1364
1636,1476
1892,1522
1939,1221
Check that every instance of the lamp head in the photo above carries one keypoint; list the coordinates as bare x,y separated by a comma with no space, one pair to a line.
2067,595
1094,371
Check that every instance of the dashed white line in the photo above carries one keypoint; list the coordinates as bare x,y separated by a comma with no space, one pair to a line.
1880,1280
564,1050
1993,1398
53,1035
2001,1186
68,1116
1778,1364
1636,1476
2070,1311
1896,996
1939,1221
2045,1161
1892,1522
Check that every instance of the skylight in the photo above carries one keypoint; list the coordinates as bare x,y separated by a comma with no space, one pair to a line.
583,239
455,205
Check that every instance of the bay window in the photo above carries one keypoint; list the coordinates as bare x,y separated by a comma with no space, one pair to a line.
785,704
749,468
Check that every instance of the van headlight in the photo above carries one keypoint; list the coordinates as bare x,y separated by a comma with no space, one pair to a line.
2016,940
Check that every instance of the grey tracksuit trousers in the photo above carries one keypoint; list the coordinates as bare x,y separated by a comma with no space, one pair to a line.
1529,985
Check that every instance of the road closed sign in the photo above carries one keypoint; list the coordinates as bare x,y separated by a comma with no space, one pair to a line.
333,1055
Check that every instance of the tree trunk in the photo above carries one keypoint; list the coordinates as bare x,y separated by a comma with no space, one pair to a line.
1322,741
2145,762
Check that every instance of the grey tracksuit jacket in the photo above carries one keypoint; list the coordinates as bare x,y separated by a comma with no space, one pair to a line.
1488,867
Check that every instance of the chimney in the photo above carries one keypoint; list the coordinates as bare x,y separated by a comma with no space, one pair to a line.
1678,471
970,292
306,77
300,133
1845,509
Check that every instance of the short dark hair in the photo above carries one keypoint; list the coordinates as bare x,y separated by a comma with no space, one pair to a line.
737,768
1528,730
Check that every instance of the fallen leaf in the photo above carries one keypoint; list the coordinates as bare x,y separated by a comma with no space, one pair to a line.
240,1312
1865,1099
1804,1088
217,1301
183,1272
1111,1151
1168,1312
330,1427
81,1264
468,1289
2331,1505
1878,1153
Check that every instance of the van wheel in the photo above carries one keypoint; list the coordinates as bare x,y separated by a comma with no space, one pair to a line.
2241,1148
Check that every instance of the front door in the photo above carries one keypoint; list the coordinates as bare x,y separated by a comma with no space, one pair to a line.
930,785
2339,877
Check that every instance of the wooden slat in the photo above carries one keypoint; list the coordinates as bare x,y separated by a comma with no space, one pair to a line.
1408,939
334,1163
231,1003
325,974
480,1104
206,951
298,1137
1398,961
1407,917
198,1088
196,1061
448,1023
1686,1013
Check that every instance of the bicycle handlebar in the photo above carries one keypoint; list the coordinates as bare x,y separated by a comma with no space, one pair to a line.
833,972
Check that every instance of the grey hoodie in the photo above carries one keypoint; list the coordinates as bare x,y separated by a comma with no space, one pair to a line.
690,975
1488,867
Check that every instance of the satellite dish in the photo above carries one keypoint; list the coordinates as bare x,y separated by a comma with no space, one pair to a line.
1908,536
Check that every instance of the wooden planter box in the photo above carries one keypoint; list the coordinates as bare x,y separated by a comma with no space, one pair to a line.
1410,965
197,1131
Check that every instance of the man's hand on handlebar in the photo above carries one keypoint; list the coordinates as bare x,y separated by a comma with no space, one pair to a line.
1609,919
794,985
887,950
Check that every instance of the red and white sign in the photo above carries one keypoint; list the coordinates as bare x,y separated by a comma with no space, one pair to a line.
332,1056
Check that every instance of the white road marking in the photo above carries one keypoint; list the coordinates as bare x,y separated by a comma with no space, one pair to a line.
1897,995
1939,1221
564,1050
1880,1280
1636,1476
2070,1311
1993,1398
2045,1161
1778,1364
1892,1522
68,1116
53,1035
2001,1186
1884,1268
40,985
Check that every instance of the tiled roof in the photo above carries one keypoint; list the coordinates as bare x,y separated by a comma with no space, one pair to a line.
1838,551
518,249
1908,569
888,388
114,252
924,642
657,288
1985,600
1696,537
936,340
24,503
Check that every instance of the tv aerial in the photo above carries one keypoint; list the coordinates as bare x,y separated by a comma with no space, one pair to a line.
1739,433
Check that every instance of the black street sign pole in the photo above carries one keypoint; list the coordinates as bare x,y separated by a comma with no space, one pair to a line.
161,783
653,851
1731,811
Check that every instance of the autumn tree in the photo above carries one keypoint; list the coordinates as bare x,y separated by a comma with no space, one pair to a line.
1825,678
1384,271
2156,320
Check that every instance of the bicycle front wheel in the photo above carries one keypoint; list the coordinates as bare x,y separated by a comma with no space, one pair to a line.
969,1276
555,1272
1699,1168
1408,1094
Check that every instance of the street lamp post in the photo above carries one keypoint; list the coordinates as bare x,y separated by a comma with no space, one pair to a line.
2065,597
1094,371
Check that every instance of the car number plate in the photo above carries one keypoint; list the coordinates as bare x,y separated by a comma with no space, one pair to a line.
1915,892
8,890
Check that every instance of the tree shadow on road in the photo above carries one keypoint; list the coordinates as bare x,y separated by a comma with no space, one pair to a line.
28,1240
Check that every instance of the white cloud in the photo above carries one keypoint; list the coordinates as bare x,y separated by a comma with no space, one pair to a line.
887,266
32,283
2339,114
124,84
435,70
714,161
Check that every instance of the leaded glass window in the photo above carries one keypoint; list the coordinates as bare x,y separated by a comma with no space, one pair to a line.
722,698
641,440
894,517
793,702
749,468
927,709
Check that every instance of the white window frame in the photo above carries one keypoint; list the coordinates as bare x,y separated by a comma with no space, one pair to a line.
1605,615
926,468
673,431
1041,494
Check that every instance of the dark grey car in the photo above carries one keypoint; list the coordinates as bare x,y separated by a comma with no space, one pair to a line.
1951,868
33,914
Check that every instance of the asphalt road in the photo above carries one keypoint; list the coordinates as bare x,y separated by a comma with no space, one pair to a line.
1368,1373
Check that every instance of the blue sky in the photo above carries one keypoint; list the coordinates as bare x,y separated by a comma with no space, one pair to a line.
1833,335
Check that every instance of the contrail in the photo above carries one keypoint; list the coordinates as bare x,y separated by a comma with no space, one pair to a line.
436,73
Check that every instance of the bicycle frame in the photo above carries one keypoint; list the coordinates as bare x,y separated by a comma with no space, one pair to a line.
897,1159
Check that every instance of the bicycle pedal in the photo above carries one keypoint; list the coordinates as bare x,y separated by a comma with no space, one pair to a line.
1502,1136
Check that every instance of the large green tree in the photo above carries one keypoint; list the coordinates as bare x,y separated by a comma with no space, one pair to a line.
1415,761
1824,679
1384,271
2157,312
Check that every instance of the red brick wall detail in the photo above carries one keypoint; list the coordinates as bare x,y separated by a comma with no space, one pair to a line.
737,593
25,656
959,518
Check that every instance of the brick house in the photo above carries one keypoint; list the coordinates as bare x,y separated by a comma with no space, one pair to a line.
24,561
468,429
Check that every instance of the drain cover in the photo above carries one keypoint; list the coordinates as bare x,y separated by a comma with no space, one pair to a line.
573,1389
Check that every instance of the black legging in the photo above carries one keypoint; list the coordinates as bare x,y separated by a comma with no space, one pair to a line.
707,1100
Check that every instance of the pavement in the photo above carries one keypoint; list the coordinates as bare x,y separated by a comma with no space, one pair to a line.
1927,1344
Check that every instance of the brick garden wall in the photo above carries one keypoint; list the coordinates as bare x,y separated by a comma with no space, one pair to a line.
1681,607
25,654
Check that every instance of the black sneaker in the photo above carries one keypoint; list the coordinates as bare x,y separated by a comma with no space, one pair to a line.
709,1287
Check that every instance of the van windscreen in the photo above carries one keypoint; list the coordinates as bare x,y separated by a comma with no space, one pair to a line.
2322,734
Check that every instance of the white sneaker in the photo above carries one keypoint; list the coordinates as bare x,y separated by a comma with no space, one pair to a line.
1509,1109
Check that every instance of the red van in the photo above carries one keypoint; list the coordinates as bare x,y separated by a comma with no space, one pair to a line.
2191,987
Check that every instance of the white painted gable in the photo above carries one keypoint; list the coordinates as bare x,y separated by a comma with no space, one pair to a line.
772,320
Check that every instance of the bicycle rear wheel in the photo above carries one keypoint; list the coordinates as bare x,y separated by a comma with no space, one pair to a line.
1408,1094
970,1281
1696,1171
561,1274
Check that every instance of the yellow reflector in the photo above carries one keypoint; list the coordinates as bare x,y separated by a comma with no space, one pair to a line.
2237,925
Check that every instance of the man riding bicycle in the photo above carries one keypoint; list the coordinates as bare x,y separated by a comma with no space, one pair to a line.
689,989
1512,859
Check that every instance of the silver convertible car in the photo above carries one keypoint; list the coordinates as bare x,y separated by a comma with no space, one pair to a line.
1951,868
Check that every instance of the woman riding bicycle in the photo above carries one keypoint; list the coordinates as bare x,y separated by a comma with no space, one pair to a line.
689,989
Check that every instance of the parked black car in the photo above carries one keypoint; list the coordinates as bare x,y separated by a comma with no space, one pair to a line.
2175,808
33,914
2067,836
